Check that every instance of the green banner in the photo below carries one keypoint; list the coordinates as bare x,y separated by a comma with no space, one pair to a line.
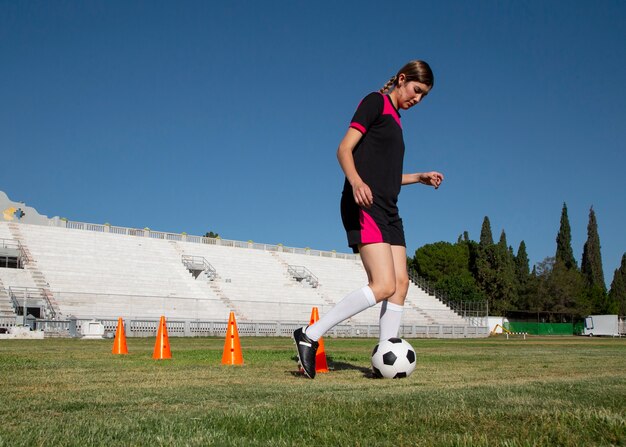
541,328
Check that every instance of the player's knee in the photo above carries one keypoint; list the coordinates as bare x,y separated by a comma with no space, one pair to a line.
402,285
383,289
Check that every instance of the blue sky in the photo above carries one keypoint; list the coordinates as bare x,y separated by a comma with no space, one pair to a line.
225,116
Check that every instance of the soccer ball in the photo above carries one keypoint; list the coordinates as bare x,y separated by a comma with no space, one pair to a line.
393,359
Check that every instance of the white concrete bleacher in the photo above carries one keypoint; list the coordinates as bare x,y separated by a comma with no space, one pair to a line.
257,284
5,233
16,278
109,275
339,277
9,276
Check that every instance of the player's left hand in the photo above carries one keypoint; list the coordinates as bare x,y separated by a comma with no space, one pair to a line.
432,178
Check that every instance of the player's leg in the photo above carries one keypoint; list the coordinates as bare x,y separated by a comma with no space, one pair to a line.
392,308
378,262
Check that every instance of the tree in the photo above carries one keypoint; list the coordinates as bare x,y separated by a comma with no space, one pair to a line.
486,237
617,295
211,235
561,290
564,252
441,259
591,265
460,287
505,287
523,278
446,266
502,242
522,271
495,271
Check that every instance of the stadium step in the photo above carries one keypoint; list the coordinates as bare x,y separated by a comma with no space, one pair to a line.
230,304
6,306
303,274
51,308
200,268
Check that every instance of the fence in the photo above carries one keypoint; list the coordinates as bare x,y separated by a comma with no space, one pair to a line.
106,228
102,306
142,327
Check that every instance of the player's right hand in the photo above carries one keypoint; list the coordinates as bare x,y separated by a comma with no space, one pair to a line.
362,194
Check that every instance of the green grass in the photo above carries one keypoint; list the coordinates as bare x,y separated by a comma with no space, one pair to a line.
555,391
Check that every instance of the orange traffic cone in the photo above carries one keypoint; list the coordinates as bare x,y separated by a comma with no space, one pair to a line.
232,349
321,366
162,345
119,344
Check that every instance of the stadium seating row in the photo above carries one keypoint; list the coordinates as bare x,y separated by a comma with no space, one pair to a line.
106,275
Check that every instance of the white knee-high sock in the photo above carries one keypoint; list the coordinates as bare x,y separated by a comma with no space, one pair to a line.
390,319
352,304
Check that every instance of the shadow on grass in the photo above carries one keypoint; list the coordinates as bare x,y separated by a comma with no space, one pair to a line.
345,366
336,366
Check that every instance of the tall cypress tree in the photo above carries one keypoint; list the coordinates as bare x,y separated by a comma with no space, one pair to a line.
502,242
522,278
564,252
522,270
591,265
507,255
617,294
483,260
486,237
506,274
496,271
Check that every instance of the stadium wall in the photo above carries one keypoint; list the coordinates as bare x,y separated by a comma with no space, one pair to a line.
439,320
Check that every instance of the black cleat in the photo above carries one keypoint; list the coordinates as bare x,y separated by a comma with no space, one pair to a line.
307,349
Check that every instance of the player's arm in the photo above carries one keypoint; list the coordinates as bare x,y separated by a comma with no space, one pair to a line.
362,193
432,178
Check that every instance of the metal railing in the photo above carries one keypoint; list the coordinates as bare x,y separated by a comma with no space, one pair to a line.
14,302
273,311
199,264
147,327
471,310
36,297
301,273
13,255
146,232
24,258
9,243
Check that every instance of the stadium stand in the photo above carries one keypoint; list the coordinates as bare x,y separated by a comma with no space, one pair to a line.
90,271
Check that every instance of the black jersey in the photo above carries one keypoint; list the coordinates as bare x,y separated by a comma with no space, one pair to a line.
379,155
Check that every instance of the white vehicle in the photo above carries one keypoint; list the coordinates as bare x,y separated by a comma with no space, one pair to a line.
601,325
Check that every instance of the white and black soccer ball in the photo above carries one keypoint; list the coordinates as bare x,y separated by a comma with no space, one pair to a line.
393,359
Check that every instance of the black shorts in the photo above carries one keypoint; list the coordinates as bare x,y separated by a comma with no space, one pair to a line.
370,225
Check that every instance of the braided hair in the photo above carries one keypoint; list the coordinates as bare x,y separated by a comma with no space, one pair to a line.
413,71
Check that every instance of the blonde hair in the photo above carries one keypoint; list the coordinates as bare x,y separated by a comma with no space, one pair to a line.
413,71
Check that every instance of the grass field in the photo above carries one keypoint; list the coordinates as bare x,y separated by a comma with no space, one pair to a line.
566,391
